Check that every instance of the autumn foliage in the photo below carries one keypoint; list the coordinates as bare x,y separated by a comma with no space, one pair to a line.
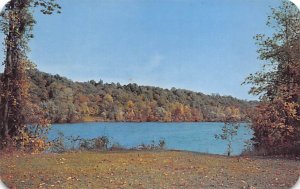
68,101
276,120
21,121
276,126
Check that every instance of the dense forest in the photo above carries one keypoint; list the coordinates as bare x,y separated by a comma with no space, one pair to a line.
68,101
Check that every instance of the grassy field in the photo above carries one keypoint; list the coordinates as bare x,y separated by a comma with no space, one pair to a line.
145,169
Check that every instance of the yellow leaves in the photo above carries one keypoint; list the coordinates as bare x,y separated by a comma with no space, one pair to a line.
61,161
277,123
42,184
108,98
130,104
233,113
290,129
14,102
281,125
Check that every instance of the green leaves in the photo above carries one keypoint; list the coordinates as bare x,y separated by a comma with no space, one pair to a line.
277,50
276,122
47,7
230,128
16,110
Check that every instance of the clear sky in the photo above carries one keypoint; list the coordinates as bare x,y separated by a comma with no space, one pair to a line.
201,45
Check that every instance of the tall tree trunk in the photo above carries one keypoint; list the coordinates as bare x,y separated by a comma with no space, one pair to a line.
10,88
17,23
4,113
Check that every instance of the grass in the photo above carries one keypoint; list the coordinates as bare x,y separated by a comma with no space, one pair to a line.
145,169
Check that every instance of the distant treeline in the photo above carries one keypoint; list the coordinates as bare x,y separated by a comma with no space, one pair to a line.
68,101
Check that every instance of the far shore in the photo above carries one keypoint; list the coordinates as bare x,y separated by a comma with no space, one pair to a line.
106,121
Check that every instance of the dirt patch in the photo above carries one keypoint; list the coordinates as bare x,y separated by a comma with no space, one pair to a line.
144,169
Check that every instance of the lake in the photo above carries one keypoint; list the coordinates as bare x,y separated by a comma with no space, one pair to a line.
197,137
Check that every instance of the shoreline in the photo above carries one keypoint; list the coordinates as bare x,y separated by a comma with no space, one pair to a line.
95,121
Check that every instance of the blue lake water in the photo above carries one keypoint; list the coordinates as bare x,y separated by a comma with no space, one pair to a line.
198,137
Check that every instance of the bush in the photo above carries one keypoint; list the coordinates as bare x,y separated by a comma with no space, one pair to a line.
63,144
58,144
117,146
161,145
101,143
276,128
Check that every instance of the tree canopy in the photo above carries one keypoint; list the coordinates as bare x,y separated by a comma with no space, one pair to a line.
68,101
16,110
276,122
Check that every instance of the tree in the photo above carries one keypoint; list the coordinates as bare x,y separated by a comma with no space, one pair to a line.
276,123
275,127
17,23
229,130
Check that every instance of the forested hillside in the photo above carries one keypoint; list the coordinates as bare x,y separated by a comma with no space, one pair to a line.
68,101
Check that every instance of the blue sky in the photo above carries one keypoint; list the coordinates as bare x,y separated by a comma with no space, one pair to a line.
201,45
